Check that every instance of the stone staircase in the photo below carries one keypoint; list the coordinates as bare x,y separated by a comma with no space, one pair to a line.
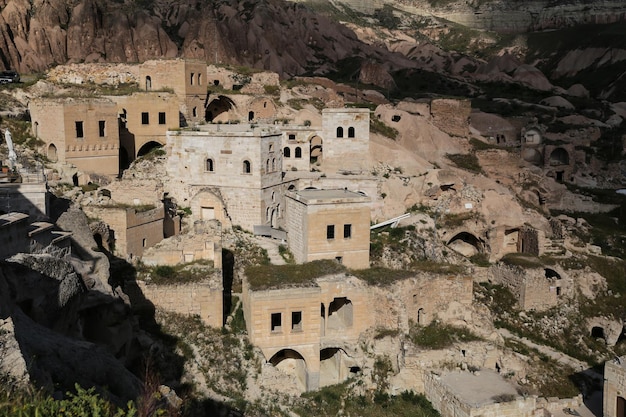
271,246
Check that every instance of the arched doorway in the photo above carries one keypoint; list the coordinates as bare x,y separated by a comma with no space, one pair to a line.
559,156
335,366
52,153
216,107
620,409
291,363
466,244
315,150
148,147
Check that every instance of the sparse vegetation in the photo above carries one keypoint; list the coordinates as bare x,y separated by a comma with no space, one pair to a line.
468,162
270,276
439,336
178,274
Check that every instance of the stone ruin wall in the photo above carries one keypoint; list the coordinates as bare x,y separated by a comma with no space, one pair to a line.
530,287
204,299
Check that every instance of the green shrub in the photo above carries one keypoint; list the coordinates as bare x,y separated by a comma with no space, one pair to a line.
468,162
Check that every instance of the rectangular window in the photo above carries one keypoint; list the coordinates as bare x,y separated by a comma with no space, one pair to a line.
79,130
330,231
161,117
292,136
145,118
191,78
347,231
101,128
277,322
296,321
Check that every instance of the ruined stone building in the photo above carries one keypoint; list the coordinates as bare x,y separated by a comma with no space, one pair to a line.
81,132
19,234
310,330
614,402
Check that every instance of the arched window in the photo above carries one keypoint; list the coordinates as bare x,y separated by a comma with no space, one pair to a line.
298,152
247,168
148,83
273,164
209,165
267,166
250,116
340,132
350,132
195,112
287,152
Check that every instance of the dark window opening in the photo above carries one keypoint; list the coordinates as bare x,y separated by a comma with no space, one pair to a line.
296,320
246,167
340,132
101,128
347,231
298,152
209,165
145,118
79,130
339,259
350,132
396,118
277,322
287,152
292,136
161,117
330,231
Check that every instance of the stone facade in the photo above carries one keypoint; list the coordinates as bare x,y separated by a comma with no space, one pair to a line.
81,132
301,324
311,331
329,224
133,231
204,299
345,133
145,119
30,198
614,402
187,78
244,163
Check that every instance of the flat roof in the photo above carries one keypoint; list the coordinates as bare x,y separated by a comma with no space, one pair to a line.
477,389
328,196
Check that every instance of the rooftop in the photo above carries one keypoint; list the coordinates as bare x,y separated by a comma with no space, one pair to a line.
328,196
234,130
477,389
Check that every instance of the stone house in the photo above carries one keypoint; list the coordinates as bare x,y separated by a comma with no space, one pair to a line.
306,331
345,136
187,78
243,162
81,132
144,119
614,396
329,224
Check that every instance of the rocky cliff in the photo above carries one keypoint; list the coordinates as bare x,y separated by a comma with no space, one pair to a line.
284,37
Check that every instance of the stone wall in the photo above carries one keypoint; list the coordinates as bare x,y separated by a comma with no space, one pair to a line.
82,132
29,198
614,402
133,231
220,156
13,234
204,299
146,117
345,133
534,288
204,242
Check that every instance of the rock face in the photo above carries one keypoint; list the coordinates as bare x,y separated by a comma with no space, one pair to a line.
61,321
283,37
